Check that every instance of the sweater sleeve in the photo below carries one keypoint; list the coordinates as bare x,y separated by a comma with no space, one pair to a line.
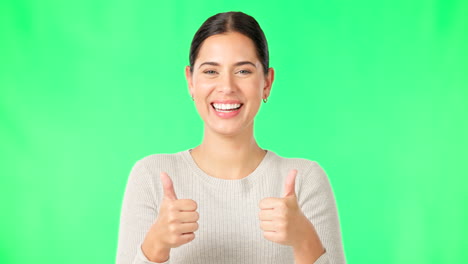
138,213
316,199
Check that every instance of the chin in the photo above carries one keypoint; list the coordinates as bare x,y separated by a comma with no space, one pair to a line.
228,130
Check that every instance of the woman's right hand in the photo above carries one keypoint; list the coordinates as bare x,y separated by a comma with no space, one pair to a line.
174,226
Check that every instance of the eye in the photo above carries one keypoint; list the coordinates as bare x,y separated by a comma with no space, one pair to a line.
210,72
244,72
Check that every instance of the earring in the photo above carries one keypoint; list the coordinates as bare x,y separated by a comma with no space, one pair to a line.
265,100
192,97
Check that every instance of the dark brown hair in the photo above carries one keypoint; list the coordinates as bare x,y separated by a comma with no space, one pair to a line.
231,22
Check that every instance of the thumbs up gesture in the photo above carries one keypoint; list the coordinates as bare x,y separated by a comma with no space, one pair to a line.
283,222
174,226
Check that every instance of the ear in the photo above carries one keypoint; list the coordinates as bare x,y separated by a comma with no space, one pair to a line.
188,77
269,77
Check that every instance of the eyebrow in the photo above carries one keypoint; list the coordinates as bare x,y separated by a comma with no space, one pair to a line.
240,63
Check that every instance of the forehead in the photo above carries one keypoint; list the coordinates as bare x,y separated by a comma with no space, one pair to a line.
227,47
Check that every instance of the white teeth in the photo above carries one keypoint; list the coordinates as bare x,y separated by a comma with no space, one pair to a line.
226,107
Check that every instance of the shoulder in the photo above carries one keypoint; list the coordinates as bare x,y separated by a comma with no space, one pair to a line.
148,168
156,162
305,167
311,177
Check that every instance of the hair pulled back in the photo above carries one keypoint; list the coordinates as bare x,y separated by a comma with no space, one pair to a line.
231,22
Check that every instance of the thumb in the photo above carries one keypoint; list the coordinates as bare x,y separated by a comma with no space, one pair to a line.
290,183
168,186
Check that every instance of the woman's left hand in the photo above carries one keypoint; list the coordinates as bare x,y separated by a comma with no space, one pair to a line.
283,222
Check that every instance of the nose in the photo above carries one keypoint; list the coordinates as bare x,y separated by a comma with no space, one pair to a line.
227,84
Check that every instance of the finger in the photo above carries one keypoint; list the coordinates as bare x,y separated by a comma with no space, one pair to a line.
168,186
188,217
267,226
290,183
187,237
187,228
270,203
270,235
186,205
266,215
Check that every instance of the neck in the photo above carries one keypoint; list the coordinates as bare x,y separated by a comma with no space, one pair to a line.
228,157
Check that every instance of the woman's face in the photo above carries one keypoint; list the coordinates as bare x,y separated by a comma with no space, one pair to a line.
228,83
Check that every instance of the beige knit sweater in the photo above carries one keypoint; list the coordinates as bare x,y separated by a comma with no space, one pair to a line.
229,228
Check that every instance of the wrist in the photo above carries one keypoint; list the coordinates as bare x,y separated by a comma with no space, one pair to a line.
308,253
309,248
155,253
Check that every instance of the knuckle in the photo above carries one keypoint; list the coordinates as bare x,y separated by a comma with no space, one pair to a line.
268,235
261,204
172,228
262,225
190,237
193,204
173,240
171,218
266,202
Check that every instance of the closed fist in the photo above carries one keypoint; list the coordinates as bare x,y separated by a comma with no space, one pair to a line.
174,226
281,219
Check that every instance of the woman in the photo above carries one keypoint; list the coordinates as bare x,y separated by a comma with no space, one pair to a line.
228,200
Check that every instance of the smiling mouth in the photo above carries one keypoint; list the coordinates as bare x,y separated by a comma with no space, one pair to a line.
226,107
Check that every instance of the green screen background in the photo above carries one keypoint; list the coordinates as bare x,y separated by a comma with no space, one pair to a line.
375,91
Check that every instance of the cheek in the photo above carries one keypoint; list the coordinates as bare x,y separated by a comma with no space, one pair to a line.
204,84
203,87
201,92
207,85
253,89
253,92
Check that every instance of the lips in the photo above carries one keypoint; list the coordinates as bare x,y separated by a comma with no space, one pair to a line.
226,105
227,108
